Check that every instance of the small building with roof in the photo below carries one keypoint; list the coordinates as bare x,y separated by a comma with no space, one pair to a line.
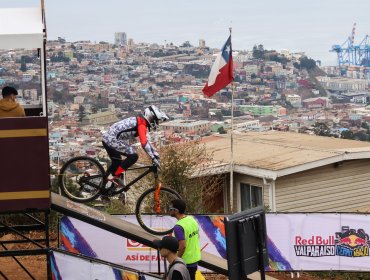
292,172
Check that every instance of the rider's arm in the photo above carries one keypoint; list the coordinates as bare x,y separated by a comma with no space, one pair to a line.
142,130
180,236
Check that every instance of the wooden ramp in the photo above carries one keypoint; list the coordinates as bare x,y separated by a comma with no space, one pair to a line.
123,228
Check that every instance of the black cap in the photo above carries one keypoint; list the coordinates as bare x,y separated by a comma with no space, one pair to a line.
167,242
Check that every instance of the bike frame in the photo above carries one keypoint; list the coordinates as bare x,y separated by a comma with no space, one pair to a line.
150,169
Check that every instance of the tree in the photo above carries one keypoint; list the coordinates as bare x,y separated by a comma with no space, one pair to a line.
360,136
346,134
179,164
94,109
81,113
296,65
365,125
221,130
282,59
321,129
219,116
186,44
307,63
258,52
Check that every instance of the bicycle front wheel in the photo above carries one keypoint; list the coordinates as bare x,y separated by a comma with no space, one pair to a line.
151,210
81,179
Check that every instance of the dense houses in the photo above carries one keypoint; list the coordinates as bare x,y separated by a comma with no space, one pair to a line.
91,85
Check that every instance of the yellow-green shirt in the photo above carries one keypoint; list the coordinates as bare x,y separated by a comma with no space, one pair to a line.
191,233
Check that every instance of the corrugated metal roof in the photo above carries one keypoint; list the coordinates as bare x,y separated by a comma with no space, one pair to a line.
275,150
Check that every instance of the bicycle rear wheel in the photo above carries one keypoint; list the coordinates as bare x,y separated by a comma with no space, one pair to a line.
152,216
81,179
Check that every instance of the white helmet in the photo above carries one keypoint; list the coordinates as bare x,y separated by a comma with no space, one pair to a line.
153,116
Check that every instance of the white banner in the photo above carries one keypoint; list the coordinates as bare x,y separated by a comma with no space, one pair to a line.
318,241
313,241
66,267
83,238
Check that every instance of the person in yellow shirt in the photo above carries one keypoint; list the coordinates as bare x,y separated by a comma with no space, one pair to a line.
8,106
186,232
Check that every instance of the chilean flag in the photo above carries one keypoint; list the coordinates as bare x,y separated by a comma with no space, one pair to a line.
222,72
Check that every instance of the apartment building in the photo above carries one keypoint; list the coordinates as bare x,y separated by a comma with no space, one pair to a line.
295,100
343,84
188,127
260,110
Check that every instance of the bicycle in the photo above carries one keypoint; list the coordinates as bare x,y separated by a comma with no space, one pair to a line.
83,179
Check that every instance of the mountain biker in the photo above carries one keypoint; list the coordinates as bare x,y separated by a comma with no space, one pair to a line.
119,141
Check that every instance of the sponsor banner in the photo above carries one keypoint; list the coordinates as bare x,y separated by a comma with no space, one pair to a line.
64,266
82,238
318,242
314,241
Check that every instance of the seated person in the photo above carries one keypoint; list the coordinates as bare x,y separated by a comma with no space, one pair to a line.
8,106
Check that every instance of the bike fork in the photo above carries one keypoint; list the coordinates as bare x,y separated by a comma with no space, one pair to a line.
156,198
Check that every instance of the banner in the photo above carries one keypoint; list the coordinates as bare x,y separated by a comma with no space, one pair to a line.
64,267
312,241
318,242
82,238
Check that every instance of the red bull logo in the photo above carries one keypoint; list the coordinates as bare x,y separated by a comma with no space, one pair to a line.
347,243
352,243
314,246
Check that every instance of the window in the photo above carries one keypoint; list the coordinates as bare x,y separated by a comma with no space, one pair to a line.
250,196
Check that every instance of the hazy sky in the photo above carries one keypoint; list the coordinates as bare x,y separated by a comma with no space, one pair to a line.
312,26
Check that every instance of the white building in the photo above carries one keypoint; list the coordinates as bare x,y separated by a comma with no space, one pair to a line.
78,100
187,126
295,100
343,84
202,43
120,39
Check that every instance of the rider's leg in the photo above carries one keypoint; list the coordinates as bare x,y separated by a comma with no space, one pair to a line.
115,150
130,160
115,157
124,165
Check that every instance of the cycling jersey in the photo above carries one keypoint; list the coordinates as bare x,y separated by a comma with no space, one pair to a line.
121,136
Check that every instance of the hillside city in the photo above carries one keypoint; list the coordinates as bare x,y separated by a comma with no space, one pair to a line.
92,85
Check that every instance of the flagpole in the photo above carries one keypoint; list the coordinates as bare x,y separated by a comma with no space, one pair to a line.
221,75
232,145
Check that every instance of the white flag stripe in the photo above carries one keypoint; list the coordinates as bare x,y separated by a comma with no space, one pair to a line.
215,70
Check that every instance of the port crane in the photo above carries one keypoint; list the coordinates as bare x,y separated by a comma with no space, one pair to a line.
350,54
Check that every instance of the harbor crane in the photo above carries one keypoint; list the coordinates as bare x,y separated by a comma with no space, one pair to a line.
350,54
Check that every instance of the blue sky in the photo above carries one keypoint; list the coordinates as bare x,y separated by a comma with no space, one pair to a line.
312,26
